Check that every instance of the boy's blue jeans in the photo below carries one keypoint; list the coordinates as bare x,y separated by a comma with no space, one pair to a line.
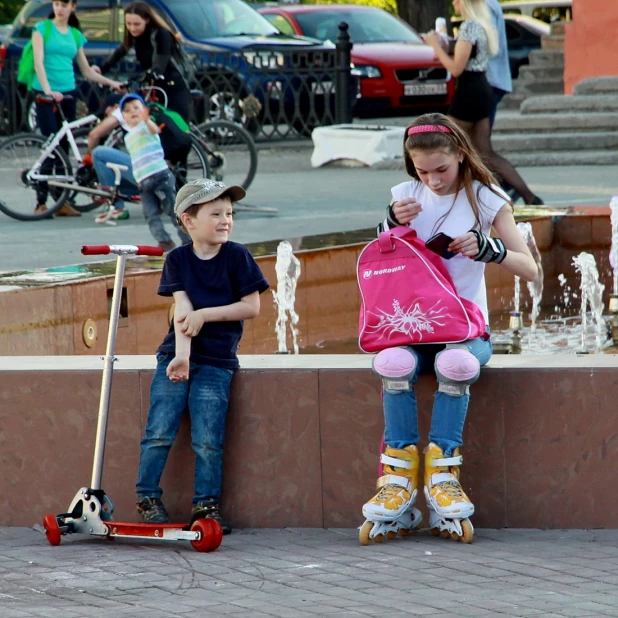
449,412
101,155
158,194
206,393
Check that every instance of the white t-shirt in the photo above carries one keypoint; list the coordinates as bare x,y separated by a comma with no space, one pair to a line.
468,275
117,114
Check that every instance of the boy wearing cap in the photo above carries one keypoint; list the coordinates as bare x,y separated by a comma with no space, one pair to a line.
155,180
216,285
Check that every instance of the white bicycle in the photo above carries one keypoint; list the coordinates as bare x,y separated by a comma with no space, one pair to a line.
31,164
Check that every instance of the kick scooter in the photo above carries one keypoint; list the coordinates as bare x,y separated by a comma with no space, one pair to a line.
91,511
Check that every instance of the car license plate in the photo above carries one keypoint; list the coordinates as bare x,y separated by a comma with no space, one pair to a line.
415,90
323,87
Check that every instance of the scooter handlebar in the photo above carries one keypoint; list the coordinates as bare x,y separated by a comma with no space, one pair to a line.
121,250
95,250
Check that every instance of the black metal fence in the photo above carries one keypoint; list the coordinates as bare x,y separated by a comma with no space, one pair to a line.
276,94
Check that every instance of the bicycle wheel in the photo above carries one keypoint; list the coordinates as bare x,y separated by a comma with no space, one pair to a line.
85,176
232,155
18,154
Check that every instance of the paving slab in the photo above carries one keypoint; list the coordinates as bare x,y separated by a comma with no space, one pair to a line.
324,573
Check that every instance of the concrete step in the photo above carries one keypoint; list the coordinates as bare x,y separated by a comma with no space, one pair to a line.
513,122
551,58
532,88
512,101
597,85
558,28
541,158
553,104
552,42
562,142
529,74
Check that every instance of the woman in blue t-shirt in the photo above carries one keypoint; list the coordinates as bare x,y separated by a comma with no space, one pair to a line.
56,45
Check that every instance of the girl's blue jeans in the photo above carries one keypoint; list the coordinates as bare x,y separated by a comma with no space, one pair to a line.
449,412
206,394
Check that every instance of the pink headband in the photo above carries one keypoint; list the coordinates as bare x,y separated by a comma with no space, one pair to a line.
429,128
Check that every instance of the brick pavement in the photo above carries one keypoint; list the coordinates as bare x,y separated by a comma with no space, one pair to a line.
296,573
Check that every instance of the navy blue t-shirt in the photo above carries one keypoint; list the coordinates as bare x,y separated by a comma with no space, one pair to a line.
219,281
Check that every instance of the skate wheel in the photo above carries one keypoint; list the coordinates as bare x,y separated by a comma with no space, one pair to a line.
435,531
404,532
445,534
378,538
391,535
211,534
52,529
468,531
364,532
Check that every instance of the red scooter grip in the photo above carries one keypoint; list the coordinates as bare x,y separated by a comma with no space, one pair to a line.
147,250
95,250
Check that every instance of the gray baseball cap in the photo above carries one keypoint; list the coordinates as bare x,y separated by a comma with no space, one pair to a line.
205,190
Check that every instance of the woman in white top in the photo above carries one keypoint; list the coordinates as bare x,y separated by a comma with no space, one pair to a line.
472,105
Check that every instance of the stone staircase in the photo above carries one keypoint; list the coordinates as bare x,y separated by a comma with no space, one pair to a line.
544,74
581,129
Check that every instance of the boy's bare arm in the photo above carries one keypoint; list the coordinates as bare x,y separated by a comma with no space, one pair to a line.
247,308
178,369
152,127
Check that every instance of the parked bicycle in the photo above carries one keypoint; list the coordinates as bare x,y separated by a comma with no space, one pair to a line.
23,155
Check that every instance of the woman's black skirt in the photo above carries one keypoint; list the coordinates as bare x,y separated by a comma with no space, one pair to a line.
473,98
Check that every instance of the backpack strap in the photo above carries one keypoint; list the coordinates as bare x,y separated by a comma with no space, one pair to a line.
47,28
385,239
77,36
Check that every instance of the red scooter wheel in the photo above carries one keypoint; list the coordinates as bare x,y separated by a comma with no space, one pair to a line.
52,529
211,534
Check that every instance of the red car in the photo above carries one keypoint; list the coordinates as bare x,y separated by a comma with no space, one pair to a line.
396,69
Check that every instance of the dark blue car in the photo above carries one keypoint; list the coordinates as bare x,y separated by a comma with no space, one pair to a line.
267,66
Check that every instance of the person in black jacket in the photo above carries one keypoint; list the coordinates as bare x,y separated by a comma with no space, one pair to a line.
157,52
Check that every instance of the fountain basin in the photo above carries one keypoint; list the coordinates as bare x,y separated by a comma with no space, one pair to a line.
48,312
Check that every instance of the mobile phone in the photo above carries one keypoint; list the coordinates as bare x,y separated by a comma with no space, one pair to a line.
439,243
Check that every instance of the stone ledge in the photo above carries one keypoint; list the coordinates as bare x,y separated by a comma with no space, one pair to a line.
293,362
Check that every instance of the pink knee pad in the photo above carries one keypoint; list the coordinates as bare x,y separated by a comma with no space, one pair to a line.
394,363
457,365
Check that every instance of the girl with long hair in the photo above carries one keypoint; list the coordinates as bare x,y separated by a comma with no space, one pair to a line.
157,52
56,43
450,191
473,100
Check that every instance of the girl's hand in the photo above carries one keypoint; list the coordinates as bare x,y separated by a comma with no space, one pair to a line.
406,210
466,244
178,369
56,96
191,323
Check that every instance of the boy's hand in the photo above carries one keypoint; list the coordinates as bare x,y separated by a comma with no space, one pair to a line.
178,369
191,323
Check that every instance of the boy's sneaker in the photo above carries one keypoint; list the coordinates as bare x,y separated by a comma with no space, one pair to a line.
152,511
115,214
167,245
209,508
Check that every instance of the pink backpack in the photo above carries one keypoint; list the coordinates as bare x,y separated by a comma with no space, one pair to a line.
408,296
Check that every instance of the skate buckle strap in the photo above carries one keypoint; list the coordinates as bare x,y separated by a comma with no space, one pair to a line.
443,477
395,462
447,461
393,479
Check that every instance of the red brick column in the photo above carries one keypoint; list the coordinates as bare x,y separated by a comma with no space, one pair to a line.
590,48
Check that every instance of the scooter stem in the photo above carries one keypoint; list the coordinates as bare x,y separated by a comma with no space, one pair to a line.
108,371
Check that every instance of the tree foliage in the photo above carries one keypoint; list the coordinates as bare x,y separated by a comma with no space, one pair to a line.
421,14
9,9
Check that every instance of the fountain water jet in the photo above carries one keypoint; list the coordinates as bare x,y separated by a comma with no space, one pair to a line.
287,268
